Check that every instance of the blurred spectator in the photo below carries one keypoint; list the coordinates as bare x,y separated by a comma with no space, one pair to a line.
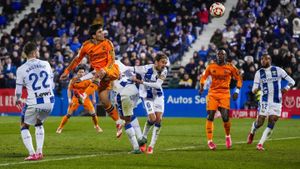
174,81
186,81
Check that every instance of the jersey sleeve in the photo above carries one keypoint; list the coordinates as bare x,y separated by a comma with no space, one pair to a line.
284,75
256,81
163,74
110,55
51,75
237,76
205,75
76,61
140,69
20,77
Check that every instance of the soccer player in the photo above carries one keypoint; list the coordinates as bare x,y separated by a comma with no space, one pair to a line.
150,90
73,101
36,75
127,98
102,58
218,97
268,80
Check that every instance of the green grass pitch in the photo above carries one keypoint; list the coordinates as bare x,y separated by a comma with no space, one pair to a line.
181,144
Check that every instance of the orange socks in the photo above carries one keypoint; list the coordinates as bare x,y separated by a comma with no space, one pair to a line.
227,126
91,89
95,119
209,129
113,113
63,121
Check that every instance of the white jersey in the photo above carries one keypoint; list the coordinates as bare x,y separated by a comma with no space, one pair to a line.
150,74
37,76
269,81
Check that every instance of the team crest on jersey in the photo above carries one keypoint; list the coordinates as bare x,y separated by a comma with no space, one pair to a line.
274,73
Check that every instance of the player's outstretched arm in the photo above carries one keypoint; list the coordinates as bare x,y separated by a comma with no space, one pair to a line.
204,76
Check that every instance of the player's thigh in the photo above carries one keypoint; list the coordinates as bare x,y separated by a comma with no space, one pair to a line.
224,102
88,105
159,104
29,115
113,73
125,105
211,102
263,109
104,98
74,105
149,106
275,109
44,110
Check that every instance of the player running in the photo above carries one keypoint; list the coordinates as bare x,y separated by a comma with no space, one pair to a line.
150,90
102,58
73,101
218,97
36,75
268,80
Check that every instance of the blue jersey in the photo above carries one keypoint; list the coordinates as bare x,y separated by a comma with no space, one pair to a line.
269,82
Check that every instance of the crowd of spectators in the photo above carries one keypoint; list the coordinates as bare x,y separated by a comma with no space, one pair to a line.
137,28
9,9
253,28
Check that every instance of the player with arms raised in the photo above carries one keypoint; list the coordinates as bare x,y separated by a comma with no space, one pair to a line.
102,58
268,80
218,97
36,75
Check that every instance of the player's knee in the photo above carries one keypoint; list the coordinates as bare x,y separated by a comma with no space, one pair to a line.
225,119
271,125
210,116
68,115
133,117
157,124
93,114
24,127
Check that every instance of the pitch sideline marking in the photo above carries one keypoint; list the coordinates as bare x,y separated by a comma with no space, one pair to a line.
120,153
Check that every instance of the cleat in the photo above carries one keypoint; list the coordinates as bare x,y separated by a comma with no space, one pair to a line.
59,130
81,96
135,152
211,145
142,141
228,142
260,147
32,157
119,130
143,148
98,129
150,150
250,138
39,156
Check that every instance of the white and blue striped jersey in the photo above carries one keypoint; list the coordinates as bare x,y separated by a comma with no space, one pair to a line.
37,76
268,80
150,74
124,85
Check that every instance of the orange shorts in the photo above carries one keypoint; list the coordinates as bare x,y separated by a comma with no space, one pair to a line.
88,105
111,75
214,101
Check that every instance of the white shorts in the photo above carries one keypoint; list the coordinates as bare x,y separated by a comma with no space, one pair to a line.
267,109
31,113
154,105
126,104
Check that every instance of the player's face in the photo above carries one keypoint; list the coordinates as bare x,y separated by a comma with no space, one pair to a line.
221,57
265,61
161,64
80,73
99,35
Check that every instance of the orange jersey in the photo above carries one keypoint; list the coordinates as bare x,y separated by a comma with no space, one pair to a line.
221,77
80,86
100,55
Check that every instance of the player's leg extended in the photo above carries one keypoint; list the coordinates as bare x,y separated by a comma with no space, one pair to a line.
111,111
25,133
88,105
211,107
255,125
227,126
155,132
89,90
138,132
72,107
268,131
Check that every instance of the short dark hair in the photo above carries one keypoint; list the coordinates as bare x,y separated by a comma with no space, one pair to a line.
160,56
80,67
29,47
93,29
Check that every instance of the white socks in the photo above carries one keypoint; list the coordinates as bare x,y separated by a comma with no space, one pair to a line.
136,126
265,135
147,128
131,135
27,140
155,134
253,128
39,135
